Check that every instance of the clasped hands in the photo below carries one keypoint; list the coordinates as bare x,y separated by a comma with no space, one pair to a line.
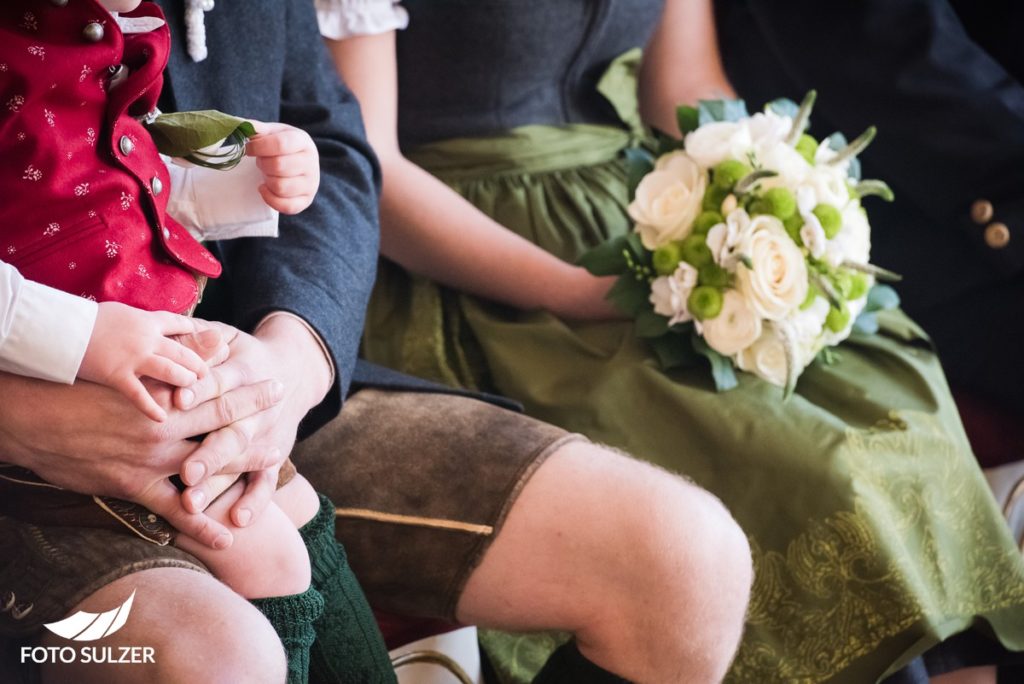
92,439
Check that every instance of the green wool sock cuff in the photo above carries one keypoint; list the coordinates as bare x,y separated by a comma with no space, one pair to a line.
567,664
293,616
326,555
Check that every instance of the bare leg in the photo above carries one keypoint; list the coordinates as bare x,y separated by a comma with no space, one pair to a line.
649,572
268,558
970,675
200,631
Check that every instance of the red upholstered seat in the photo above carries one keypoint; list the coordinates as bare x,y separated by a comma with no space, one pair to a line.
996,433
399,630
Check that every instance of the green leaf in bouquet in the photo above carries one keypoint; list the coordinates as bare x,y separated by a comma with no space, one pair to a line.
673,350
665,143
877,188
826,287
185,134
866,323
688,118
649,324
639,163
877,271
882,298
860,143
630,294
722,371
607,258
802,118
710,111
639,253
747,183
829,356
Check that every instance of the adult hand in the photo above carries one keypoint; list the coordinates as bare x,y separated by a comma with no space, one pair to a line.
283,352
91,439
582,297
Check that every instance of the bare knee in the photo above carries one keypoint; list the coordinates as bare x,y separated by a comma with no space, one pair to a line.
197,629
678,576
268,558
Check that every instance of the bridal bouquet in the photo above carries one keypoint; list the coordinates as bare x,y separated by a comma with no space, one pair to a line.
750,245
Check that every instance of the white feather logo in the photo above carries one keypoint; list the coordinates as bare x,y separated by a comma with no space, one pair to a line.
83,626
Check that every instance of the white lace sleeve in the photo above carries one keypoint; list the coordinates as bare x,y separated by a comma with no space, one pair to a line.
340,19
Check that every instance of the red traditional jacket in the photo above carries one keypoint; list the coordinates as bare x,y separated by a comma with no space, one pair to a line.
83,192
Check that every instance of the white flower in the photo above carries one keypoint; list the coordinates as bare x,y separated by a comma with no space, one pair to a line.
669,294
715,142
766,357
668,200
724,238
813,235
734,329
777,283
829,185
855,236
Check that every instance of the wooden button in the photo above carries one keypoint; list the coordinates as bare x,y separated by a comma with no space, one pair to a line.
997,235
982,212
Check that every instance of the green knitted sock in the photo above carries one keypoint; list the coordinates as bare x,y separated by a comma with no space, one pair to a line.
349,648
292,618
568,666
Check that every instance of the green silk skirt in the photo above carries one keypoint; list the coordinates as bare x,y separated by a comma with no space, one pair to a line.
874,534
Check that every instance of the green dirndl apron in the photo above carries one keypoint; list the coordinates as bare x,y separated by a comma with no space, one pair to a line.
874,533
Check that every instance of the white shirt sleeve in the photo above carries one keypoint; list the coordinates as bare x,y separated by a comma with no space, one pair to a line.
43,331
340,19
220,205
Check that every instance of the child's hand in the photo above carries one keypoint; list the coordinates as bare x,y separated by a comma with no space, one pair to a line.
290,164
128,344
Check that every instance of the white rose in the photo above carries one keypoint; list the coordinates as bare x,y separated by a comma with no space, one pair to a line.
813,235
668,200
778,282
766,357
669,294
713,143
734,329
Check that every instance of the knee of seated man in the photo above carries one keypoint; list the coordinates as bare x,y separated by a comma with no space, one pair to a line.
195,629
686,544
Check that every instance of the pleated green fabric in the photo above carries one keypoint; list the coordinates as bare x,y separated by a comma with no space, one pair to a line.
874,533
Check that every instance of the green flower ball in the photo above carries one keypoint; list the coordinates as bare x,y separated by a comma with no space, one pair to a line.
706,221
705,302
831,219
859,285
713,275
667,257
778,202
838,319
807,147
793,225
730,172
713,198
696,251
812,294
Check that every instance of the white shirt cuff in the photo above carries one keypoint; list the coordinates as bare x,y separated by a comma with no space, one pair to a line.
220,205
48,333
340,19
